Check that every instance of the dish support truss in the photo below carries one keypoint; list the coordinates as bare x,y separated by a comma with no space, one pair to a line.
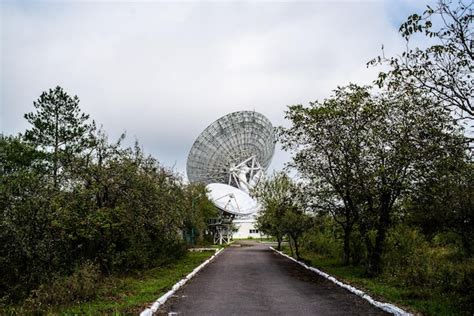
221,229
246,174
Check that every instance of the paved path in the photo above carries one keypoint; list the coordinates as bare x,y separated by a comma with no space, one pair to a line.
254,280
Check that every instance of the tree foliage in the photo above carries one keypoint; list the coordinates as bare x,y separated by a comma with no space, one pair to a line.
201,210
388,172
105,206
360,152
274,195
282,214
443,70
59,128
444,202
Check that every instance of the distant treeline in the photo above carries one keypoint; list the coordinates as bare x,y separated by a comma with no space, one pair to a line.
75,206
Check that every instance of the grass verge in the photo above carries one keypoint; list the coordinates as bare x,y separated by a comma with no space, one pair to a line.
131,294
126,294
417,300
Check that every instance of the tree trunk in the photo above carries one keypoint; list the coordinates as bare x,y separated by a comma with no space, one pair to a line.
279,243
364,232
347,244
291,247
375,264
466,240
56,147
297,252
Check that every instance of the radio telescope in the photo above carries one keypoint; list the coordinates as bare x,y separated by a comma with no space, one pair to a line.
230,156
238,144
231,200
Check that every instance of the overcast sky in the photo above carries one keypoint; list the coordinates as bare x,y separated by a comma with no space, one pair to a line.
163,71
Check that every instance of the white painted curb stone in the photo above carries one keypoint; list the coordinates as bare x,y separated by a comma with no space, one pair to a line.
389,308
154,307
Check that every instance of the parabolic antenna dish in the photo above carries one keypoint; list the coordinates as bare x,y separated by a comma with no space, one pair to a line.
227,142
231,200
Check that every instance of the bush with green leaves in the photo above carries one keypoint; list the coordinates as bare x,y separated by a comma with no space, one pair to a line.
81,285
408,256
323,239
72,198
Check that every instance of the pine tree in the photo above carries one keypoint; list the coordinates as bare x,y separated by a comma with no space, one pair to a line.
59,128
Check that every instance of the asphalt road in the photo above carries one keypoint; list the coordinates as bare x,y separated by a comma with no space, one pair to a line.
254,280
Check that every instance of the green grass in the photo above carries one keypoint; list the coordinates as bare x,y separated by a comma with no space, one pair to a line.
132,293
414,299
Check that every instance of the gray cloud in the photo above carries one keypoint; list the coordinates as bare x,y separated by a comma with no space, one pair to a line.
163,71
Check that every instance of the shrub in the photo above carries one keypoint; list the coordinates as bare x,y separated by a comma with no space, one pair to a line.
457,279
466,286
79,286
435,267
323,241
407,256
358,248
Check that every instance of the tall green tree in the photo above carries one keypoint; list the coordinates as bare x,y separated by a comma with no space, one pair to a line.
282,213
198,210
114,206
59,127
274,194
443,70
26,249
444,201
295,223
328,138
362,151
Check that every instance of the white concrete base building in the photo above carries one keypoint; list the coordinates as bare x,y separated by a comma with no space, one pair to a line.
246,228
